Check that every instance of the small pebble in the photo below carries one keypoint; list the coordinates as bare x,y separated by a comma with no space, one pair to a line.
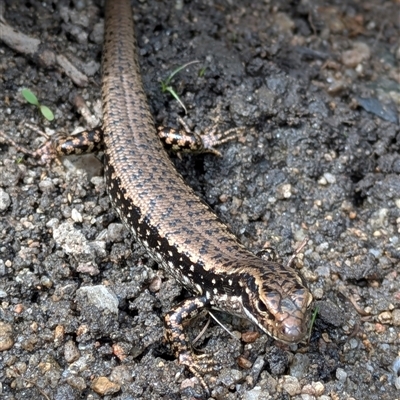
299,366
155,284
379,328
59,333
230,377
5,200
254,394
46,185
88,268
385,317
291,385
6,336
46,282
318,387
121,374
250,336
119,351
244,362
76,382
307,397
318,293
71,352
115,232
329,177
396,317
19,308
341,375
104,387
284,191
52,223
323,271
100,296
257,368
353,343
76,216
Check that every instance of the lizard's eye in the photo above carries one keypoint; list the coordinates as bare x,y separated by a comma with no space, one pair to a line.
261,306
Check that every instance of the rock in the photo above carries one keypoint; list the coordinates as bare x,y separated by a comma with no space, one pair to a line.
71,352
5,200
6,336
291,385
99,296
104,387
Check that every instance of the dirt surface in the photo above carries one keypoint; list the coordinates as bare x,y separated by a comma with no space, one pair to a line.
316,85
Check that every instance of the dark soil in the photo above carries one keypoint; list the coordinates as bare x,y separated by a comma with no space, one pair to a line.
316,85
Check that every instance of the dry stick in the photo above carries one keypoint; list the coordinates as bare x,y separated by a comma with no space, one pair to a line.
39,52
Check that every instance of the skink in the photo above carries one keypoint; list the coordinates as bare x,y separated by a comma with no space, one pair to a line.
178,230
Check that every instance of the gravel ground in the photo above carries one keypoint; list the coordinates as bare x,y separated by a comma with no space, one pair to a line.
317,88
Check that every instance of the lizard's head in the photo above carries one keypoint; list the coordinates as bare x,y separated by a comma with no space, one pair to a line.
276,299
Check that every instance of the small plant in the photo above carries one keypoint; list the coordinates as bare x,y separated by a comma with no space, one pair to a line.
313,318
202,72
32,99
166,87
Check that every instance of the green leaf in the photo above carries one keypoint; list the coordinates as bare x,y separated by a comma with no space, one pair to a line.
176,97
46,112
30,97
312,322
202,72
164,87
168,80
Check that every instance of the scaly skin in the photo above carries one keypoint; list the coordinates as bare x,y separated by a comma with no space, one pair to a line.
177,229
